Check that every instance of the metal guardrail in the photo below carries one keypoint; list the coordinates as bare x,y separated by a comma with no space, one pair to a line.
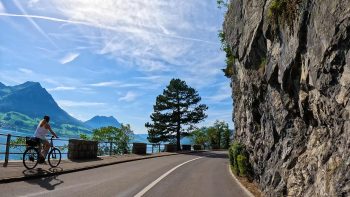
107,148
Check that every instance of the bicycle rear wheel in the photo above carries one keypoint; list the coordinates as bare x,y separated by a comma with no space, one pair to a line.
55,157
30,157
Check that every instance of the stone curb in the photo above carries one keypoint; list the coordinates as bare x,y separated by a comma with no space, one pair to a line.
239,183
47,173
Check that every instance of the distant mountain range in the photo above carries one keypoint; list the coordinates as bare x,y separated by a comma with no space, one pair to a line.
22,106
102,121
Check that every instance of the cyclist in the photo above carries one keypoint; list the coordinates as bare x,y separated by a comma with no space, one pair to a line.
41,131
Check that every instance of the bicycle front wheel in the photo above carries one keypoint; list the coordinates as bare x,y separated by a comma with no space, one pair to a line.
30,157
55,157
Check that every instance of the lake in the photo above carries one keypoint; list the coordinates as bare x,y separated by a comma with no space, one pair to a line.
61,142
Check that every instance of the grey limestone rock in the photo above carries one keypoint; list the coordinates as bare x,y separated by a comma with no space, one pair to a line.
293,112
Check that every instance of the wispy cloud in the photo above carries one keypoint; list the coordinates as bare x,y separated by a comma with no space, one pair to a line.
148,37
130,96
220,97
223,93
32,3
105,84
69,57
19,6
25,70
117,84
69,103
2,8
61,88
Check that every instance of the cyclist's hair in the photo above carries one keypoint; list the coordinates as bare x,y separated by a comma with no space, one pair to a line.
47,118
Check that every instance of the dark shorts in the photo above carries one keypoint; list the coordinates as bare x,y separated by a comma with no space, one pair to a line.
43,141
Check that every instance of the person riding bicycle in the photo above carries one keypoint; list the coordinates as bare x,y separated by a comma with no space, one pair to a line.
41,131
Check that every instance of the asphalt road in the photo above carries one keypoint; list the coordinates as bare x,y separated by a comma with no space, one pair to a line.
203,174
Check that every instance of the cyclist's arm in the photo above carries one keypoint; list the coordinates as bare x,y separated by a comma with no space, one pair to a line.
52,132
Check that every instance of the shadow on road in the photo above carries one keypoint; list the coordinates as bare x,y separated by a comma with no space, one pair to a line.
212,154
48,183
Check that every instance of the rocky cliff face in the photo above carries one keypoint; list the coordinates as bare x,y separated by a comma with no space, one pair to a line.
291,89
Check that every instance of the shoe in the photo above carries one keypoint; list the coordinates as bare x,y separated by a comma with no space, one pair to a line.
31,158
41,160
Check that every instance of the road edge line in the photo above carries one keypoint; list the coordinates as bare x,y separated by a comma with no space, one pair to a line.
155,182
239,183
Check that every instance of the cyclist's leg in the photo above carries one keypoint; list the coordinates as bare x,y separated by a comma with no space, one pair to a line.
45,148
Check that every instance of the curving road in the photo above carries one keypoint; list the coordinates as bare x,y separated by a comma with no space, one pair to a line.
201,174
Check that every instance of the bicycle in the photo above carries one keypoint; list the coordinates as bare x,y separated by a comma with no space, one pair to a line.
31,155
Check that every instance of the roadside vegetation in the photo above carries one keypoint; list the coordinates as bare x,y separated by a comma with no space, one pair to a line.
121,137
176,111
239,160
214,137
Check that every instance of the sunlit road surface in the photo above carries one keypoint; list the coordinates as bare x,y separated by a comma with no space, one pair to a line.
201,174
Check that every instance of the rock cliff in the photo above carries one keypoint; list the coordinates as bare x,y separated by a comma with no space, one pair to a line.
291,89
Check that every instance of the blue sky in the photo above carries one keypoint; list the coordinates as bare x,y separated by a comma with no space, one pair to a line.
114,57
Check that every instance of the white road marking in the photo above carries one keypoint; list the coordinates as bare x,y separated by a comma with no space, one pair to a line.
239,183
146,189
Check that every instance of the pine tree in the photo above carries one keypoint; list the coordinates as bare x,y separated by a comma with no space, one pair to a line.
176,109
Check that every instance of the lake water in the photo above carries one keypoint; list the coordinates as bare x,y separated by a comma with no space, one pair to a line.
58,143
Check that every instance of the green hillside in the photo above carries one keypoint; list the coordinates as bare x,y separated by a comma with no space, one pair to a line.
20,122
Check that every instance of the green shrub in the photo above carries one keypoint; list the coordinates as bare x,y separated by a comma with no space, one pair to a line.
222,3
242,163
283,11
230,59
239,160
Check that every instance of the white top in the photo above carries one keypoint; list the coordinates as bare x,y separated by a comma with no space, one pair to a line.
41,132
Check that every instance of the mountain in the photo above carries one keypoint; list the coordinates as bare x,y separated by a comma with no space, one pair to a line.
290,80
102,121
22,106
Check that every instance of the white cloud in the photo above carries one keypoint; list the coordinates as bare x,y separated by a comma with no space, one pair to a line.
37,27
68,58
62,88
2,8
223,93
25,70
32,3
140,32
69,103
130,96
105,84
220,97
118,84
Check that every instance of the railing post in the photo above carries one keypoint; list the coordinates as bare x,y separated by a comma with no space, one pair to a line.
152,148
159,148
110,148
7,150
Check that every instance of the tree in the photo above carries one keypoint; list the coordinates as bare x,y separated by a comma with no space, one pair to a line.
119,136
223,134
219,135
199,136
175,109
